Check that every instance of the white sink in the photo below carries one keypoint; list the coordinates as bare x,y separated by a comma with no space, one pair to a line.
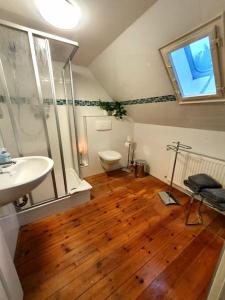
23,176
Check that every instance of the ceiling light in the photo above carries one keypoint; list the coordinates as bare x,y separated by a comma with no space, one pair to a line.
60,13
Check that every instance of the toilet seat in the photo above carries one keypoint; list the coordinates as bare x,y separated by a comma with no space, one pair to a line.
109,155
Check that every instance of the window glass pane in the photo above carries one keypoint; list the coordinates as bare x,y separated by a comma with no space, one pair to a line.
193,68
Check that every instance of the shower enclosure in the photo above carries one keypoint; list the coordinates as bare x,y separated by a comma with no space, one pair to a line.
37,112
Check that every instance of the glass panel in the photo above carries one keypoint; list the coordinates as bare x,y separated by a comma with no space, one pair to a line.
193,68
66,118
17,63
30,116
71,111
6,129
60,53
43,68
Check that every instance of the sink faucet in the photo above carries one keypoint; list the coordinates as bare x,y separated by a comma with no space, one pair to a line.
7,164
4,172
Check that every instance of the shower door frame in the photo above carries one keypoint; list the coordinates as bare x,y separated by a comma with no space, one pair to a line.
31,33
69,64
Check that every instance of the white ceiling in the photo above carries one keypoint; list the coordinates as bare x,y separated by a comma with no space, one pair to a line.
102,22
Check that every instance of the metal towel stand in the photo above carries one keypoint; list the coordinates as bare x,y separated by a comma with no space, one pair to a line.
167,197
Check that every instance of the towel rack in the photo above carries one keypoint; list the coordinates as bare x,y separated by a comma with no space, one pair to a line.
167,196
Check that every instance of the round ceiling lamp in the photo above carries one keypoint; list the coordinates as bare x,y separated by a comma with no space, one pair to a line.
63,14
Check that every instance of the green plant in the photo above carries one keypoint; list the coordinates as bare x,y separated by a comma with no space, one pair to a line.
108,106
115,108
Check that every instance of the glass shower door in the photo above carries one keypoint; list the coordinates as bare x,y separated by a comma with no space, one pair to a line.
23,125
46,77
69,93
61,123
32,121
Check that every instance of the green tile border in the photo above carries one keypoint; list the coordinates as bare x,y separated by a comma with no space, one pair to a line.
87,102
158,99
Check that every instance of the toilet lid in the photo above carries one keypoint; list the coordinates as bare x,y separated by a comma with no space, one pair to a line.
109,155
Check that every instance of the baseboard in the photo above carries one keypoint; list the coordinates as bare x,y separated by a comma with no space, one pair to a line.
46,209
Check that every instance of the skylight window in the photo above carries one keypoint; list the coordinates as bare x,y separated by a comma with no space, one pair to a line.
199,58
193,68
192,63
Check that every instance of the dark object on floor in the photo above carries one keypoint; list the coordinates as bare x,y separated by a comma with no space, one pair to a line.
206,188
140,168
202,181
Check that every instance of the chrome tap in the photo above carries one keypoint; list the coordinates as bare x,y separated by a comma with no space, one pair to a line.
7,164
4,172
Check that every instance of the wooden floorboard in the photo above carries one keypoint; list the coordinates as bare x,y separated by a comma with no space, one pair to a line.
124,244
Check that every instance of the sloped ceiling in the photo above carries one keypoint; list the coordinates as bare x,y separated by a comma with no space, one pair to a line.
102,22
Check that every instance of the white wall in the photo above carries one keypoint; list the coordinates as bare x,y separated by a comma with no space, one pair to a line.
86,86
152,141
3,294
131,67
113,139
200,116
10,226
8,275
217,289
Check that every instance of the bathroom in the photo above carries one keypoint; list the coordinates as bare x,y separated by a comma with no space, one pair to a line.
88,100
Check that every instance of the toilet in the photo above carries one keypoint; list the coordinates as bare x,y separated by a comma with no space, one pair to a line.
110,159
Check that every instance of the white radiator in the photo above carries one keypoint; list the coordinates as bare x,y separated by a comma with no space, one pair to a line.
191,164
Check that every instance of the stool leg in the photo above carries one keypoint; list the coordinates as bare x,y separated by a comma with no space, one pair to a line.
200,221
199,212
189,209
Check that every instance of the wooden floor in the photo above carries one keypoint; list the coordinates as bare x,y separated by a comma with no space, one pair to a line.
124,244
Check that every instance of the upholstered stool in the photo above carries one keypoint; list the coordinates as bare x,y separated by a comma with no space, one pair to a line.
197,183
215,197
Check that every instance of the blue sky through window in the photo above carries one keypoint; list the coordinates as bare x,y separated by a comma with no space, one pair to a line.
193,68
199,58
